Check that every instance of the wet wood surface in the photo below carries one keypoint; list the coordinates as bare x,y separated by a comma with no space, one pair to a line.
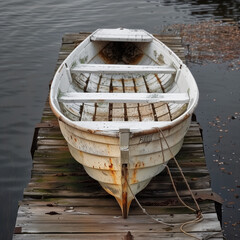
63,202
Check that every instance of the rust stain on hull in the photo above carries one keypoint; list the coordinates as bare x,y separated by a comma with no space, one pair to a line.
134,174
125,190
112,171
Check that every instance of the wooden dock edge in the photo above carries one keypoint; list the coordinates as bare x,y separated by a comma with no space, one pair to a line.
63,202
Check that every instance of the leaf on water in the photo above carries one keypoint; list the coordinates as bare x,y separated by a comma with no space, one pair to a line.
211,40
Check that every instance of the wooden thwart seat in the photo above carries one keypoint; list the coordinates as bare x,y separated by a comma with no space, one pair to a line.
115,126
123,97
121,35
122,68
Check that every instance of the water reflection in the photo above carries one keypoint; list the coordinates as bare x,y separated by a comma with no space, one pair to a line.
219,115
202,8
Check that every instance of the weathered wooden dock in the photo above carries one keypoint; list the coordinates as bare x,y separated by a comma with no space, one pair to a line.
63,202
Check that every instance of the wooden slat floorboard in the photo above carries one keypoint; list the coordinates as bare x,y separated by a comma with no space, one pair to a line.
63,202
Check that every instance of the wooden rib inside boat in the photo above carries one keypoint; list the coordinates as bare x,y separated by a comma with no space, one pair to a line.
111,96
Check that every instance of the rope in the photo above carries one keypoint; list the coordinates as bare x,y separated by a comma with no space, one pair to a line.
180,169
170,174
199,216
145,212
198,219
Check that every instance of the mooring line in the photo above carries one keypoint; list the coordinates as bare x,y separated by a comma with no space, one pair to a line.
180,169
145,212
198,211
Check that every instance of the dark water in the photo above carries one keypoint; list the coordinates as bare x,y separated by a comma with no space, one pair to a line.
219,115
30,37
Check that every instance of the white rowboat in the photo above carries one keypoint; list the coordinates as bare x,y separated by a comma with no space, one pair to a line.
112,96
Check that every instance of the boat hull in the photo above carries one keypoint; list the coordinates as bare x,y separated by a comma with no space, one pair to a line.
101,158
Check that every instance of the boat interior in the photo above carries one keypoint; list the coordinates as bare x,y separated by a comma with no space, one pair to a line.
131,72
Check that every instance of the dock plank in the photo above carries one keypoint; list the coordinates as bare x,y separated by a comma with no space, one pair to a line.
62,202
115,236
